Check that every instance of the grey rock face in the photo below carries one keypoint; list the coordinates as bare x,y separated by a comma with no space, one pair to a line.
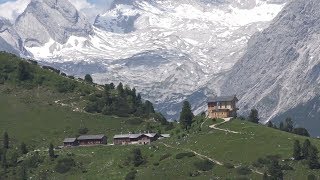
280,69
10,41
56,19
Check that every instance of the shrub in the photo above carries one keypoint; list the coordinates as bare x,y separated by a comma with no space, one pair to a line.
286,167
131,175
228,165
194,173
64,165
244,170
203,165
156,164
184,154
65,86
83,130
134,121
165,156
257,164
263,161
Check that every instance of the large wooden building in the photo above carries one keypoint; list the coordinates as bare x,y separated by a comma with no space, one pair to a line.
222,107
86,140
70,142
124,139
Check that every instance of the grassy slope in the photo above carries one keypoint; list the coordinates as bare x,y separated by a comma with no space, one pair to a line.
34,117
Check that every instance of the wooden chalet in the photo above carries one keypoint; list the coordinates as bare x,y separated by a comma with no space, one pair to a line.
124,139
70,142
222,107
86,140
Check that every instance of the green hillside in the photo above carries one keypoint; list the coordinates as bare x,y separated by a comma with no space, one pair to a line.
43,107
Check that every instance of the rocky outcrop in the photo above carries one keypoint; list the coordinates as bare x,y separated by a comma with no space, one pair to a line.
51,19
280,69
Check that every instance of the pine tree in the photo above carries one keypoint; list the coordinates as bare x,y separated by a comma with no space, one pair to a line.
88,78
313,161
51,151
275,170
288,125
24,71
296,150
22,173
148,108
281,126
23,148
137,157
305,149
120,89
5,140
186,115
265,176
254,116
4,160
270,124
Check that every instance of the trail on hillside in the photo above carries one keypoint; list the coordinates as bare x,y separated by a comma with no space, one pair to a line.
198,154
215,126
205,157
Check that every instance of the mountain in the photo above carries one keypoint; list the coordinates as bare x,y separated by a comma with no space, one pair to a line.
280,72
10,41
45,21
170,50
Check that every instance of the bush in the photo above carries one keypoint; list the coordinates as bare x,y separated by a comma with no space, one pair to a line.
134,121
83,130
131,175
257,164
203,165
64,165
244,170
286,167
194,173
165,156
263,161
184,154
156,164
228,165
65,86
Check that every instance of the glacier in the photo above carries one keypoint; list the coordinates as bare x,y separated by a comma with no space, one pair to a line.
170,50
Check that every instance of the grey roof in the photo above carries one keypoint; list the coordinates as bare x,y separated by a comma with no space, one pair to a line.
69,140
165,135
151,134
86,137
222,98
133,136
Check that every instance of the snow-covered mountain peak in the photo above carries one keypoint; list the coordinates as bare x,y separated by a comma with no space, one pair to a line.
56,19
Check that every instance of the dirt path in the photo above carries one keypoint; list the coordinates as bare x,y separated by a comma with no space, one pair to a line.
196,153
215,126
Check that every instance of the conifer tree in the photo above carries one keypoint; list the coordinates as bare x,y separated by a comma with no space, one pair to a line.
275,170
5,140
23,148
296,150
51,151
313,161
305,149
265,176
186,115
281,126
254,116
270,124
88,78
288,125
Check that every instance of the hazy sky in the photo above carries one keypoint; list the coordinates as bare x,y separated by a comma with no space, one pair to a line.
10,9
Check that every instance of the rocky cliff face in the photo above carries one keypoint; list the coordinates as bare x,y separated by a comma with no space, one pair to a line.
10,41
280,69
51,19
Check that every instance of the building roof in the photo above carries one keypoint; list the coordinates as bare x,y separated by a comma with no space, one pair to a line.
133,136
151,134
223,98
69,140
89,137
165,135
